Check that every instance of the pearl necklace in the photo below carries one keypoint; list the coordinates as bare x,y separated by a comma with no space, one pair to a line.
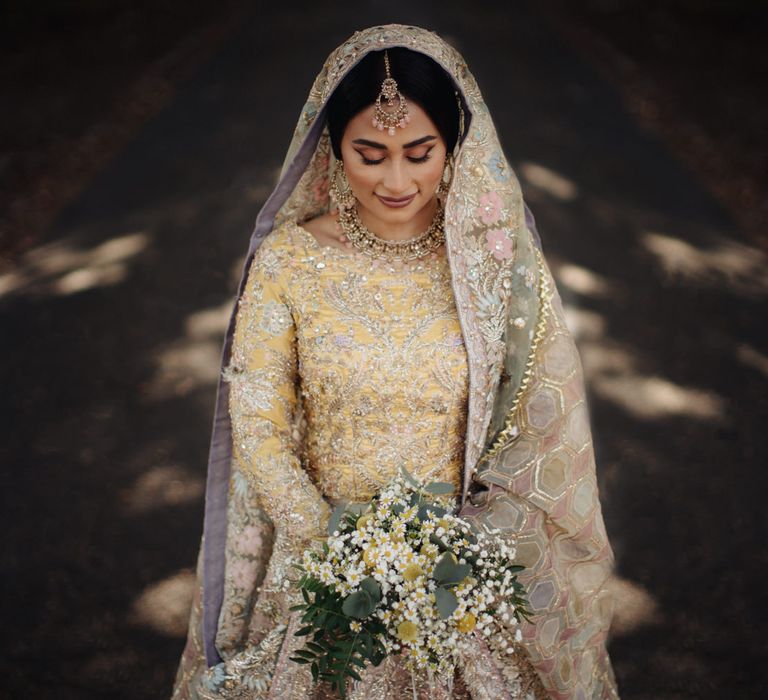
373,246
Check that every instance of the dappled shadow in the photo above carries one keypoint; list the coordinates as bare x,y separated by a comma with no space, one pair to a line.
115,325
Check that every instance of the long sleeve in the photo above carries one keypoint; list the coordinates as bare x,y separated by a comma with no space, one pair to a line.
263,375
263,400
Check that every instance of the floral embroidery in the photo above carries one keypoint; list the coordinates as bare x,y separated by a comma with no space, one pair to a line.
243,573
499,243
249,540
276,318
498,168
489,210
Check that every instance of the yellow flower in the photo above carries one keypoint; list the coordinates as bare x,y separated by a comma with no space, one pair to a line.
466,623
363,520
412,572
429,550
407,631
370,555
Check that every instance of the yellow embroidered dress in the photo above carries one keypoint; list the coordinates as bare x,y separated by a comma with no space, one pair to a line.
377,357
372,355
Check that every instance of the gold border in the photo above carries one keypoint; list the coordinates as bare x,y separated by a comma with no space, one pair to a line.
505,437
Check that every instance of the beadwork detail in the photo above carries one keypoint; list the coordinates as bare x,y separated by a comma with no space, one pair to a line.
375,247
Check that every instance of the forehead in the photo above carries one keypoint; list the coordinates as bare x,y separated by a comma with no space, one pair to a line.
361,127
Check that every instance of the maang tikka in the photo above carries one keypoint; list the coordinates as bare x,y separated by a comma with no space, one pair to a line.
396,113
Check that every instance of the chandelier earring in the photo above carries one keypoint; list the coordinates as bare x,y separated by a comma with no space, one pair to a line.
445,181
340,191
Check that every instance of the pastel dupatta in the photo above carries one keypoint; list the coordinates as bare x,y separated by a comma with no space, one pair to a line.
529,464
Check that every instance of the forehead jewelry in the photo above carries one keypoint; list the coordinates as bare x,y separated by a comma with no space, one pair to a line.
396,112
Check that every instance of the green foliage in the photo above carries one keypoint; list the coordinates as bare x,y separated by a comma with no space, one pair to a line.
336,515
342,637
446,602
335,652
448,573
439,488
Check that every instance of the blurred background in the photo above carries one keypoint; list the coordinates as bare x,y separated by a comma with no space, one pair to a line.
138,141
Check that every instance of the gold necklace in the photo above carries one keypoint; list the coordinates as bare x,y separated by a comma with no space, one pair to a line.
358,234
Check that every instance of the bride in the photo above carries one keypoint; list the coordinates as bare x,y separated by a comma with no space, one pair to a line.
395,310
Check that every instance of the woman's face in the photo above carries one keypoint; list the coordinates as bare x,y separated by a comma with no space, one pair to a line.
394,178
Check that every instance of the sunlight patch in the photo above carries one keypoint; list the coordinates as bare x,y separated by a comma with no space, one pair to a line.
160,487
654,397
548,180
193,360
742,267
633,607
583,281
62,269
164,606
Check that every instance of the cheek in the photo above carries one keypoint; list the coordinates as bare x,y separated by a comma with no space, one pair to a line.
433,172
361,177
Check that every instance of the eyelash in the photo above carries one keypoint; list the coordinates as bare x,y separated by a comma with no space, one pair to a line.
422,159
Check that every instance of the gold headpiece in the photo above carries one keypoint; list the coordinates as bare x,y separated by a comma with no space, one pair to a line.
396,113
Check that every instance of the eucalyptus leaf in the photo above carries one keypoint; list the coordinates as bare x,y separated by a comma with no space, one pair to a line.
448,573
425,508
335,519
434,539
446,602
371,585
358,605
440,488
409,478
357,508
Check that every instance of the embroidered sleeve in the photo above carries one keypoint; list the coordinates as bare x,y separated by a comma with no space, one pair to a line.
262,376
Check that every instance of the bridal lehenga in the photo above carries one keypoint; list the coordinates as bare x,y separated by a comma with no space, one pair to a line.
338,369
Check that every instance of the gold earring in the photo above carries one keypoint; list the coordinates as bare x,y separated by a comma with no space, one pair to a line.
445,181
340,191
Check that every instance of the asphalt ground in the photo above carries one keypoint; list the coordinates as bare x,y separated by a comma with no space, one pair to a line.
111,327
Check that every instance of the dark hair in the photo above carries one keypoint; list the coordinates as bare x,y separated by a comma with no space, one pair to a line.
418,77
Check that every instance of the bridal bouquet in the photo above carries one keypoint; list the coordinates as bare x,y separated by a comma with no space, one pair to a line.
403,574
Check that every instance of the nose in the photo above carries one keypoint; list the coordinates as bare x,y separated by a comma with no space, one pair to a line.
395,178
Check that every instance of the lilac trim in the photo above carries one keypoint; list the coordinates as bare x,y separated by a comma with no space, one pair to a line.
530,222
220,455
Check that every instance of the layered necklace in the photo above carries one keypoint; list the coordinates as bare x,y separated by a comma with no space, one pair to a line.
358,234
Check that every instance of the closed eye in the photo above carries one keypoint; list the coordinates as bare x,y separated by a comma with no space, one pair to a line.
423,158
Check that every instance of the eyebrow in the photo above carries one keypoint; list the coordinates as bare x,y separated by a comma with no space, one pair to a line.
410,144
